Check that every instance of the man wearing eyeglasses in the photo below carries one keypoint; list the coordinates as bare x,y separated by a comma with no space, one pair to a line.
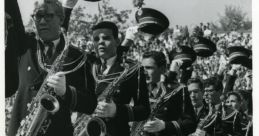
212,91
35,55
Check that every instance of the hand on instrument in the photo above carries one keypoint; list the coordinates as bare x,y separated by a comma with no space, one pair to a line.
69,3
58,82
199,132
154,125
105,109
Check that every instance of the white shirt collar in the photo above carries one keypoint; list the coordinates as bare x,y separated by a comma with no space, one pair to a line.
110,61
109,64
199,109
55,42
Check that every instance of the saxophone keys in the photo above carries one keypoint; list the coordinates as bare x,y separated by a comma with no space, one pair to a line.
29,68
28,105
22,132
117,91
22,122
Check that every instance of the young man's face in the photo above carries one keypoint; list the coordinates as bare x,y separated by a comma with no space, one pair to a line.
211,95
104,42
233,102
195,94
47,22
152,71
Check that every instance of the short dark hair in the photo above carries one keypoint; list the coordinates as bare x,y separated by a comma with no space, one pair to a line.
107,25
196,80
158,56
214,81
239,98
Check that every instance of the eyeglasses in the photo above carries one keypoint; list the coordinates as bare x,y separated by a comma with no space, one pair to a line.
47,16
209,90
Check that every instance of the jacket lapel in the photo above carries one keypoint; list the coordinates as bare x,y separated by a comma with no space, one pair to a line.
116,67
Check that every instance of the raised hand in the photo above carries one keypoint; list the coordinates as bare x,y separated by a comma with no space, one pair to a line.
69,3
175,65
131,33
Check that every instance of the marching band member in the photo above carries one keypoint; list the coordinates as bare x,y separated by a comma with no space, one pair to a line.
75,91
117,113
177,116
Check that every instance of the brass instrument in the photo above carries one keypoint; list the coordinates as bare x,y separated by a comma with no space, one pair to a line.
209,119
207,123
80,125
228,119
137,127
45,103
92,125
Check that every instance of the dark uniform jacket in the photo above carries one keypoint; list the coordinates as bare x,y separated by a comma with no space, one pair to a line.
127,91
202,113
177,112
79,94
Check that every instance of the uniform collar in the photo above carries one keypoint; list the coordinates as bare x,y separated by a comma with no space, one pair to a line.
109,64
110,61
55,42
199,109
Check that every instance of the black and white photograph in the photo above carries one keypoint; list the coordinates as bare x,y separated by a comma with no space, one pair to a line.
128,68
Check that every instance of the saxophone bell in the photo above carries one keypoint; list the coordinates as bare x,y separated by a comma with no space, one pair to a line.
50,103
96,127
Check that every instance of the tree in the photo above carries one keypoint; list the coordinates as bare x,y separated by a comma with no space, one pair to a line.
81,22
234,19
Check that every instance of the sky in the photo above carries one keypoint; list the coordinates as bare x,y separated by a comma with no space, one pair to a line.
181,12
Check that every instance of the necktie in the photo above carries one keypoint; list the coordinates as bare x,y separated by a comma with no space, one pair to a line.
196,111
103,66
49,51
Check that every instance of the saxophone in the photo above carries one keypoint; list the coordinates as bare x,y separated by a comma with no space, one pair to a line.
138,127
209,119
207,122
45,103
91,125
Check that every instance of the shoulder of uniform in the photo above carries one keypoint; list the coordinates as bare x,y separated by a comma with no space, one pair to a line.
181,85
130,61
175,85
75,51
72,47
